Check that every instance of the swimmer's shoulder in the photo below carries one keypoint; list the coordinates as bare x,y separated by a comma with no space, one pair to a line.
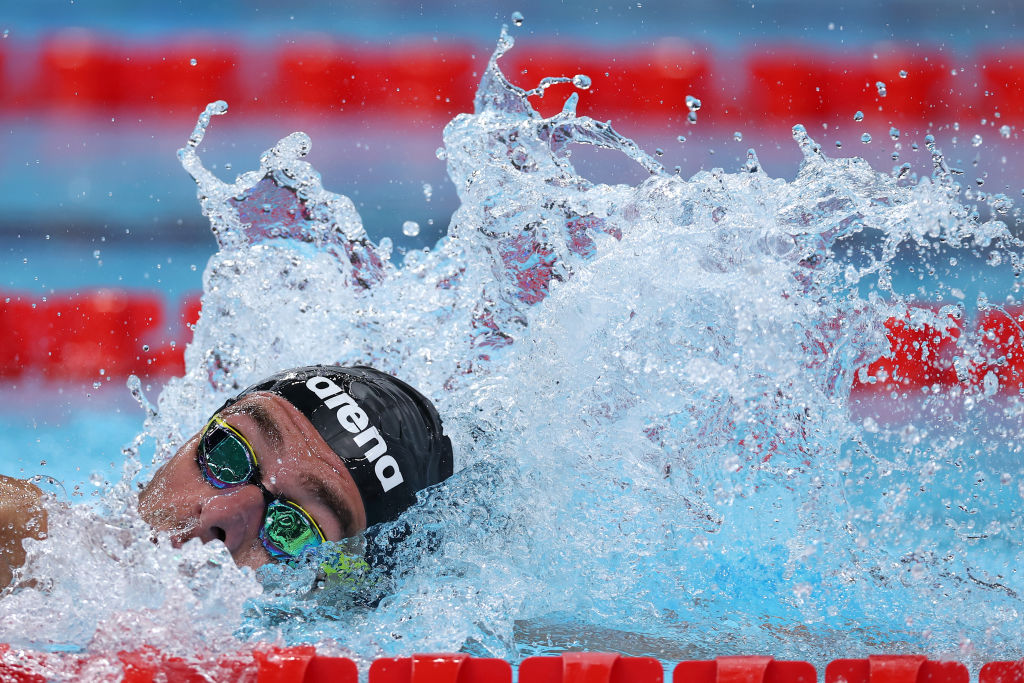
22,516
19,493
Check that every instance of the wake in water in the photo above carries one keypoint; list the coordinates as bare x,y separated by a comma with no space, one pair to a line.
648,391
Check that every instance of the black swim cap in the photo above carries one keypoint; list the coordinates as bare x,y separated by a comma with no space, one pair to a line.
388,434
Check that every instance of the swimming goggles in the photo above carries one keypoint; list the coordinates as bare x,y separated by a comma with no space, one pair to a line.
227,460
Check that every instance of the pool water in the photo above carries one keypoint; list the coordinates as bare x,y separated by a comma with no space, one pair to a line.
648,387
72,435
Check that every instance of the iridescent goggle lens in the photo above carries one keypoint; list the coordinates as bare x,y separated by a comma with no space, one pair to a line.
288,530
225,456
227,459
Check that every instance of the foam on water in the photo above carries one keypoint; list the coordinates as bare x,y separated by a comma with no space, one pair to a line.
648,390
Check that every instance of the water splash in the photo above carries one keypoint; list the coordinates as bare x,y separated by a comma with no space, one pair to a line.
649,391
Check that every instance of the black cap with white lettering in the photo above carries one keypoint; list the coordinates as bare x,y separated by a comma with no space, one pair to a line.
388,434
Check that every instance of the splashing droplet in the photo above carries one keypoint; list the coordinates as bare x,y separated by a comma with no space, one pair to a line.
581,81
441,153
692,117
903,73
410,228
753,165
681,138
1004,130
894,133
517,18
737,136
859,116
866,138
193,61
839,144
428,191
659,152
881,88
976,140
188,156
692,103
1001,204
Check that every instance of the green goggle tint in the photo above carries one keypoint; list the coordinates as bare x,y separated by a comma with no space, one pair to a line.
225,456
226,460
289,529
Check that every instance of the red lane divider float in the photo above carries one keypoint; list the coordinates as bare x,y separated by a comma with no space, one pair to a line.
420,79
744,669
653,80
78,70
895,669
590,667
921,355
1003,80
440,668
797,85
1002,672
86,335
1002,348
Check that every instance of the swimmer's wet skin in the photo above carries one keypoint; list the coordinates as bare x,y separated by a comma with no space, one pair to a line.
308,455
21,516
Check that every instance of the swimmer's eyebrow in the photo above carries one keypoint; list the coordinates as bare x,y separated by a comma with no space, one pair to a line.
330,498
262,419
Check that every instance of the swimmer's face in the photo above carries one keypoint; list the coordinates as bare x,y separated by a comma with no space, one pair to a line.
295,463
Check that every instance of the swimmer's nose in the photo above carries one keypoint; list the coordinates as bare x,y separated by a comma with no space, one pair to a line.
232,517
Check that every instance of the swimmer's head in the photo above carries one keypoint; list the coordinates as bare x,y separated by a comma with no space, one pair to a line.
311,454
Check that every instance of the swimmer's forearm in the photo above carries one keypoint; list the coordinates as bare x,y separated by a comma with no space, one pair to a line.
21,516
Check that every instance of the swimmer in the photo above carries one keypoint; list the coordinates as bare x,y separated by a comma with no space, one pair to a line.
304,457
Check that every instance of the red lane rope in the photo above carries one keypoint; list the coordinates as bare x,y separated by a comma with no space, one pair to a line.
301,664
79,72
85,335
